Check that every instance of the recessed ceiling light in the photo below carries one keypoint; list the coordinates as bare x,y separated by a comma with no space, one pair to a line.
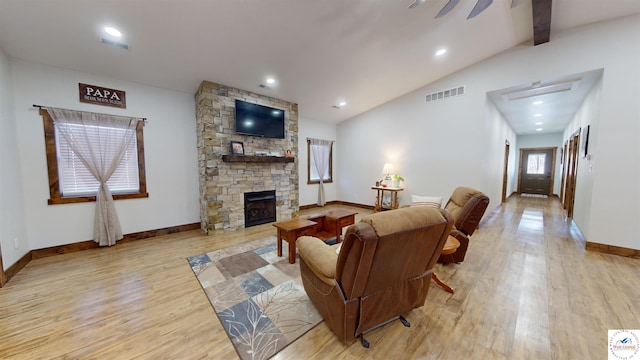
340,104
441,52
539,129
113,31
114,43
537,115
539,123
537,102
269,83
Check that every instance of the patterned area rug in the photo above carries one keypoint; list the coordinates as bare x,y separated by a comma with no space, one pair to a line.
257,296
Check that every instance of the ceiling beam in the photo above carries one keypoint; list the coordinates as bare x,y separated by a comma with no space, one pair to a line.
541,21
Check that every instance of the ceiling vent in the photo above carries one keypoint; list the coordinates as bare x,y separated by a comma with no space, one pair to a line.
439,95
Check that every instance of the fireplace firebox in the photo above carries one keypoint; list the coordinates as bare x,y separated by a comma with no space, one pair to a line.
259,207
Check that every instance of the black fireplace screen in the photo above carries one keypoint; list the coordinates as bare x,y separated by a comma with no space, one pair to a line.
259,207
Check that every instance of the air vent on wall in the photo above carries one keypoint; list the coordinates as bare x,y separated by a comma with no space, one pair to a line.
443,94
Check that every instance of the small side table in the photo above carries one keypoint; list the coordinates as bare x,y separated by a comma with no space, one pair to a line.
393,196
337,219
449,248
290,231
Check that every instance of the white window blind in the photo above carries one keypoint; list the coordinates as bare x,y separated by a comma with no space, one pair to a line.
75,177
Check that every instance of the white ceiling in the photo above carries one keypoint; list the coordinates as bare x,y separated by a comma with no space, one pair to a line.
546,104
366,52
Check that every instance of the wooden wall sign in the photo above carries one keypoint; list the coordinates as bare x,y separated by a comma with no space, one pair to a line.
99,95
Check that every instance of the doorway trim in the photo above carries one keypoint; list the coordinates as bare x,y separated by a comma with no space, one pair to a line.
571,170
506,170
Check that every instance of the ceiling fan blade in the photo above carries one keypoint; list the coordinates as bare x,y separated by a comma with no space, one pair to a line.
416,3
481,5
515,3
450,5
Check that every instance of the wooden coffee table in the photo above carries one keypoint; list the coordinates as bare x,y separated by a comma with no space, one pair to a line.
290,231
322,225
336,219
449,248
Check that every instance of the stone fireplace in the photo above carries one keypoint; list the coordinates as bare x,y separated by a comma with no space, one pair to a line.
224,179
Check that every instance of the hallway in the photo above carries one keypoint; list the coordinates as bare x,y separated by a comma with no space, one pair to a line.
532,291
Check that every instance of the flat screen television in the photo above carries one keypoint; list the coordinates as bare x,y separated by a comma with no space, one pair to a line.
259,120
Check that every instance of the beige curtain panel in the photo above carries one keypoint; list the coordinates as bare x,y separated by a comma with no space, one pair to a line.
320,151
101,155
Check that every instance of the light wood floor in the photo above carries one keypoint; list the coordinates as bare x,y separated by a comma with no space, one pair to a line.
526,290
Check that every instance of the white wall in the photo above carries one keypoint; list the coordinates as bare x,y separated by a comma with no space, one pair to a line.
170,155
543,140
499,133
587,115
319,130
12,215
439,145
435,146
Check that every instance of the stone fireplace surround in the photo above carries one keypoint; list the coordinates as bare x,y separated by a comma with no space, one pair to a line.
223,184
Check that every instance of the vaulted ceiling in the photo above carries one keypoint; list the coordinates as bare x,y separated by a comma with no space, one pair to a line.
365,52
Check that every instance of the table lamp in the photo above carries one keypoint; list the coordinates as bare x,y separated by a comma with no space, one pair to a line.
387,170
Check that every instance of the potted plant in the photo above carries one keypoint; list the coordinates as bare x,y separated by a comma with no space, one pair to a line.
396,180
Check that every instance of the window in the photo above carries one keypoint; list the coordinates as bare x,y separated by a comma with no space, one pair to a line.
69,179
312,173
535,164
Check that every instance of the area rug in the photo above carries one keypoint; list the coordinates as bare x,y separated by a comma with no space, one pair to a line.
258,296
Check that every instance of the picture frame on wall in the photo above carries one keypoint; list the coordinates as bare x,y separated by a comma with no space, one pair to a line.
584,146
237,148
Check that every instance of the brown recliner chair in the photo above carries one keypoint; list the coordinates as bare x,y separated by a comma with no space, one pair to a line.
466,206
382,272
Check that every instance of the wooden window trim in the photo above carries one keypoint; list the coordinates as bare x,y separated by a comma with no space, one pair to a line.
52,166
309,181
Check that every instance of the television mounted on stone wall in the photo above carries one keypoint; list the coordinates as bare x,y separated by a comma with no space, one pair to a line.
259,120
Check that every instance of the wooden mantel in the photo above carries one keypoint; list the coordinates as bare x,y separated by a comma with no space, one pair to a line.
257,159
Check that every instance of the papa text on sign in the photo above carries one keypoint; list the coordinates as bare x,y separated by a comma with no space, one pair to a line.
94,94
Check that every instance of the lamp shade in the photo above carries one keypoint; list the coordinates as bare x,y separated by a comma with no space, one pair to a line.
387,169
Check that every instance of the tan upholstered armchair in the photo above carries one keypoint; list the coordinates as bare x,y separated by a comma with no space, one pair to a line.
383,269
466,206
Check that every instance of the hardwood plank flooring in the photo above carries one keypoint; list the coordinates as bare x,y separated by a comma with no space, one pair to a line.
526,290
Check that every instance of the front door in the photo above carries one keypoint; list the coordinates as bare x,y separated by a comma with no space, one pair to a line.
536,171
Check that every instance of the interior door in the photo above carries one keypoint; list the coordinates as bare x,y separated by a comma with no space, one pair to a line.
572,167
563,160
505,172
536,171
